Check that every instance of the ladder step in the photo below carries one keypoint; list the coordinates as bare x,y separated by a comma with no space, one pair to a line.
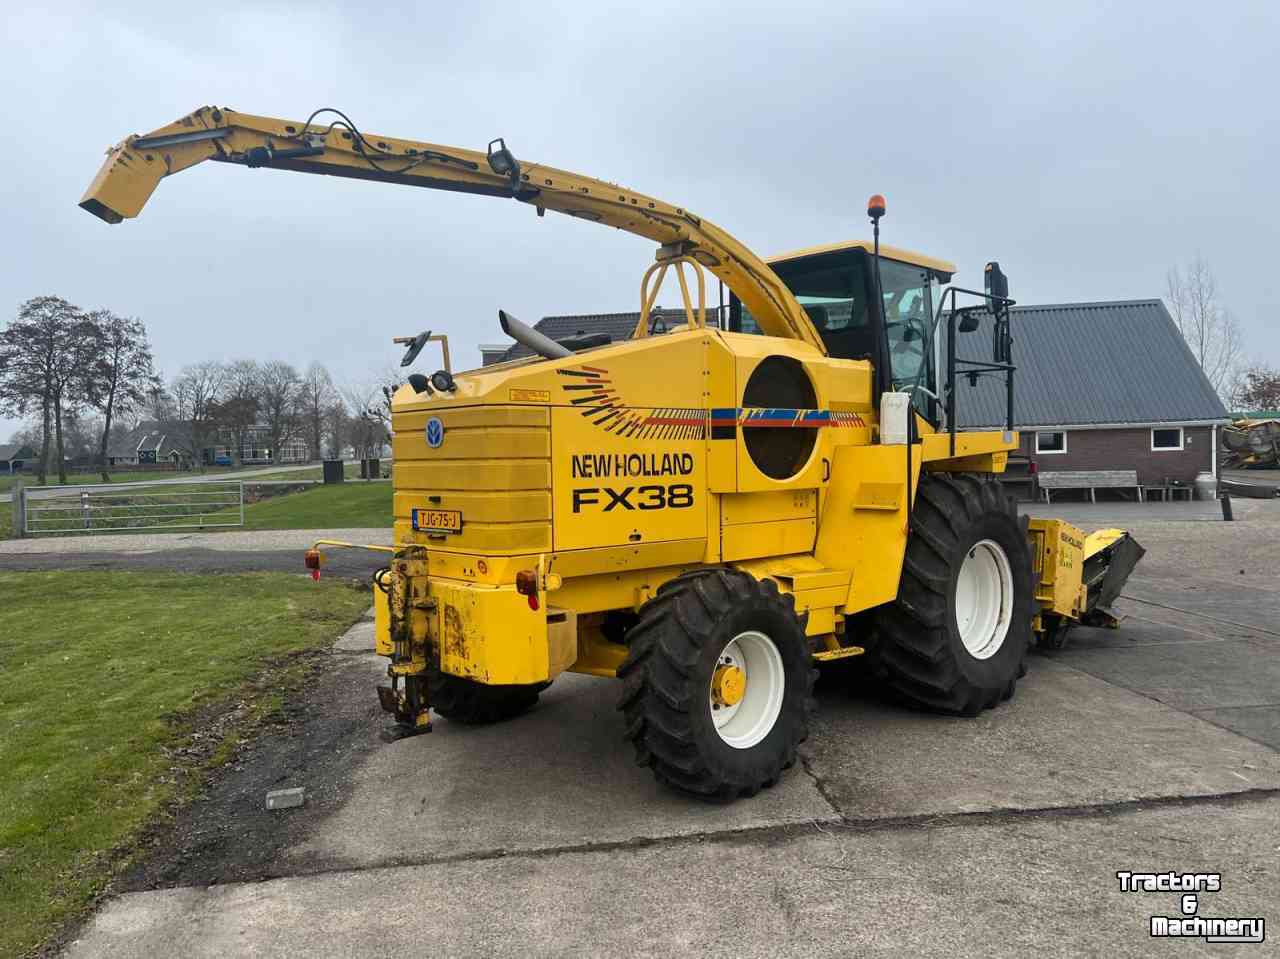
827,655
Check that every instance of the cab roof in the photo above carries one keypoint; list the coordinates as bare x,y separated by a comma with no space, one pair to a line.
888,252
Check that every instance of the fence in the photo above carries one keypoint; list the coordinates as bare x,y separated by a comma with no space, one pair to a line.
135,507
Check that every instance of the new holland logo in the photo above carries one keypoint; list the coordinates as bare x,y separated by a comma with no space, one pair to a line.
435,432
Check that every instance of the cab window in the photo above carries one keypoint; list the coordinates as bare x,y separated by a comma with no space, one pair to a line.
908,324
832,290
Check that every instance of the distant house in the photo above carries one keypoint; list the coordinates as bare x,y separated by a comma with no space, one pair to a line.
619,326
255,448
153,442
149,443
15,457
1108,385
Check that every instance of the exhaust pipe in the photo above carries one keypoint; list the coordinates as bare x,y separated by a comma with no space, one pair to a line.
528,336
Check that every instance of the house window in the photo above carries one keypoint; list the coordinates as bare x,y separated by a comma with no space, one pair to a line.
1167,439
1051,442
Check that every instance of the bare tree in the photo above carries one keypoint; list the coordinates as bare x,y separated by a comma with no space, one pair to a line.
1209,329
239,406
158,404
337,427
280,392
1258,389
43,357
317,396
371,412
121,374
80,436
195,405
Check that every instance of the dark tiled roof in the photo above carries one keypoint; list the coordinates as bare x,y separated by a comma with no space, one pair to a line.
164,438
619,326
15,451
1090,363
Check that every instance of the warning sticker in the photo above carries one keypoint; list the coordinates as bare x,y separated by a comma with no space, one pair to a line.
530,396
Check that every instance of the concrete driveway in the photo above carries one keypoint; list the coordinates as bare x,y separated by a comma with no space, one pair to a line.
1148,748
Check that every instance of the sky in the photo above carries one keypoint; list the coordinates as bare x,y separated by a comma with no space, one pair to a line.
1088,147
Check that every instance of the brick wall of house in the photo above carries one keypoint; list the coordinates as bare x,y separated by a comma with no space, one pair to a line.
1126,449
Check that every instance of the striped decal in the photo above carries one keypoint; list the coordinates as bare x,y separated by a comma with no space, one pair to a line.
590,388
753,417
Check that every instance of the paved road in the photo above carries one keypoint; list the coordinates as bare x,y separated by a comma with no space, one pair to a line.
184,479
1151,747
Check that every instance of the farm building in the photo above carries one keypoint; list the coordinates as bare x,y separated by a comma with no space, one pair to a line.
149,443
15,457
1101,386
153,442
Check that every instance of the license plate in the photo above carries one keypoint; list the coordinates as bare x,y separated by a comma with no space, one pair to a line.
437,520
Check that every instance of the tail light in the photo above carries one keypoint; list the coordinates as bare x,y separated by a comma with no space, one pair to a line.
312,560
527,585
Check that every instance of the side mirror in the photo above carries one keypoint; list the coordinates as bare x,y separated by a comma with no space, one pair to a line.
413,346
997,284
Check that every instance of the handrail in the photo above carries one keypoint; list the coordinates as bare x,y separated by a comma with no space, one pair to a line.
999,309
648,298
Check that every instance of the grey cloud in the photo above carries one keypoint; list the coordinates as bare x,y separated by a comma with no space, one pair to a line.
1088,147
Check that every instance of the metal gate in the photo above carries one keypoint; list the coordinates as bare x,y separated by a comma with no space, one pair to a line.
132,507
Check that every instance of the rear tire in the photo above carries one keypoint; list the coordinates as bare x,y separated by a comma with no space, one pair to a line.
718,684
475,704
956,638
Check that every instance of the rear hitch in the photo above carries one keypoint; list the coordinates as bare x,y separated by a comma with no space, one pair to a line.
408,703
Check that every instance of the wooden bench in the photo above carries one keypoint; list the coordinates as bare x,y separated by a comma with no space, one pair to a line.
1092,480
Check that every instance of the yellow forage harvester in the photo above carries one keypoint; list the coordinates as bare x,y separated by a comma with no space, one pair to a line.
705,510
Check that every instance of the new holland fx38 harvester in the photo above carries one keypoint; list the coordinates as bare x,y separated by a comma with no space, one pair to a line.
705,513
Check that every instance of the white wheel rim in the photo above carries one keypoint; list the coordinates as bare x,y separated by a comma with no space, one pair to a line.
984,599
748,721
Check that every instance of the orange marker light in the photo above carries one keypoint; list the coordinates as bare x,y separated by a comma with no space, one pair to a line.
875,207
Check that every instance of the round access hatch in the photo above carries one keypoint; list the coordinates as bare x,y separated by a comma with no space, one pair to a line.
779,383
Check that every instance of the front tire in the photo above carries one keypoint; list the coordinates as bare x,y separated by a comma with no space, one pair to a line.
956,638
718,684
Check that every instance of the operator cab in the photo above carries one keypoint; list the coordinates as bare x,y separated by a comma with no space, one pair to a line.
836,287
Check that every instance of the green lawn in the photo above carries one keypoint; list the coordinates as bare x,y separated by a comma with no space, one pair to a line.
324,507
101,677
6,520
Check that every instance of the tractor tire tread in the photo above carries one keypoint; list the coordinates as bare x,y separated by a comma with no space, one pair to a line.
913,656
658,689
